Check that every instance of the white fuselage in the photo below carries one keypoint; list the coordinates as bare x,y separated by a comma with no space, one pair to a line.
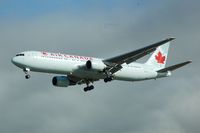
75,65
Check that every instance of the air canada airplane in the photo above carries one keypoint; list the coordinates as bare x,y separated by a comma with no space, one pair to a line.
86,70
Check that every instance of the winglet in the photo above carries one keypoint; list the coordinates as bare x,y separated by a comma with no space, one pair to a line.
174,67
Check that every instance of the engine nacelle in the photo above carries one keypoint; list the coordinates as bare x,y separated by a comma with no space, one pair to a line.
62,81
95,65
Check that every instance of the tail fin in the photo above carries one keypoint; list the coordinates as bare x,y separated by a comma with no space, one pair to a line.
159,58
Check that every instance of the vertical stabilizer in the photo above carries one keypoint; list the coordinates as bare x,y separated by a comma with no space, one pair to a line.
159,58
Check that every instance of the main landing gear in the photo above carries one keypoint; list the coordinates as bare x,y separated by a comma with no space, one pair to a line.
89,87
26,70
109,77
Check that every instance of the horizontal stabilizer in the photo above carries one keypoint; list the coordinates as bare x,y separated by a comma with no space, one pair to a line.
174,67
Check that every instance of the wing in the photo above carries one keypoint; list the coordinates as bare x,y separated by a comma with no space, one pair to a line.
114,64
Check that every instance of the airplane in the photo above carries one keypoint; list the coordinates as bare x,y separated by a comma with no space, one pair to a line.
77,70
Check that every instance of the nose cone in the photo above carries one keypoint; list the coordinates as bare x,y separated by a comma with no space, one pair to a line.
18,61
13,60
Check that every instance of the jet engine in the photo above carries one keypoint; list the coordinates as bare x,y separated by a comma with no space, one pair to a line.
95,65
62,81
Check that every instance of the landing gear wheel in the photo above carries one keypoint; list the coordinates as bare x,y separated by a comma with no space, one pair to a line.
88,88
108,79
91,87
105,80
85,89
26,70
27,76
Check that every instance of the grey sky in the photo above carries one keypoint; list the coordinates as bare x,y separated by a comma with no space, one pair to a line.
169,105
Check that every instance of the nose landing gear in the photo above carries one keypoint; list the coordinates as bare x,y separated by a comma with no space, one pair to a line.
26,70
27,76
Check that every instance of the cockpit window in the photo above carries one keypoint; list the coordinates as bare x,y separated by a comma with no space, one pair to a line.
20,55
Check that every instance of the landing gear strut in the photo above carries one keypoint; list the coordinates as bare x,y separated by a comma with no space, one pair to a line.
109,76
89,87
26,70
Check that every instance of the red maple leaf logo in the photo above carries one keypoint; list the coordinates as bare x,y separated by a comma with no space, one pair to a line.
160,58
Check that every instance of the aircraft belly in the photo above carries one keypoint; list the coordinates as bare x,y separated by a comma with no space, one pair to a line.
88,74
134,74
